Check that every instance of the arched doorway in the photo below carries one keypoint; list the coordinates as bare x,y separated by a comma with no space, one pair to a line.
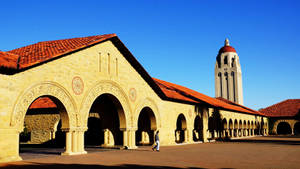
245,128
106,119
181,127
198,127
235,128
230,128
240,130
284,128
146,127
225,128
45,123
297,128
252,128
211,127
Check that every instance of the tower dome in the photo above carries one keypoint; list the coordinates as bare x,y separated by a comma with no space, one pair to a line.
227,47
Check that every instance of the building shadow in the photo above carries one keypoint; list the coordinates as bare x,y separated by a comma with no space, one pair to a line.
89,166
282,140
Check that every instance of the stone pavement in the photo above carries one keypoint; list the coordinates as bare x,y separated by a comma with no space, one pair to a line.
256,152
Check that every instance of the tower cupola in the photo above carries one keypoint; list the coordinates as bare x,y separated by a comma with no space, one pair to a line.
228,74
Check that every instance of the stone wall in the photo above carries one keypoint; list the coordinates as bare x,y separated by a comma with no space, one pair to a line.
75,82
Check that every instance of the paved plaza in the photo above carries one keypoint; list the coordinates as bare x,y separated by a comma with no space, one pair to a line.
255,152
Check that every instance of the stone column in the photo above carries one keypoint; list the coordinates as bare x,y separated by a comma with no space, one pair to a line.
205,125
80,141
68,149
125,138
74,142
131,138
226,133
186,138
9,145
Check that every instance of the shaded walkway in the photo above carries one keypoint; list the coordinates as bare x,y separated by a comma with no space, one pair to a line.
232,154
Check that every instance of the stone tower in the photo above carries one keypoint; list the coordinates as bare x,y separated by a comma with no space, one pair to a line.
228,75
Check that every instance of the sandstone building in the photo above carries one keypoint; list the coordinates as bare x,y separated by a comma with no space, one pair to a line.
92,91
284,117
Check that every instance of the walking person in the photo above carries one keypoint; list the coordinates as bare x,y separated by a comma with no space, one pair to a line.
156,147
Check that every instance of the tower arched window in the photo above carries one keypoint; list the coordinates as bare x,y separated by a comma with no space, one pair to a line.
233,85
226,60
232,62
227,85
220,81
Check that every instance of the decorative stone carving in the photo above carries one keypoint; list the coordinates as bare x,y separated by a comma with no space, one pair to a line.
43,89
77,85
132,94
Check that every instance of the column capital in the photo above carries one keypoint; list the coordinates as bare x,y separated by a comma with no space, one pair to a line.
74,129
129,129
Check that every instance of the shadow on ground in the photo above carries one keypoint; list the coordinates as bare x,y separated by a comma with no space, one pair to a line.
282,140
89,166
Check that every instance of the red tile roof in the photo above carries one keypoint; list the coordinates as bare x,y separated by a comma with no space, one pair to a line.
42,102
177,92
235,104
227,49
8,60
286,108
40,52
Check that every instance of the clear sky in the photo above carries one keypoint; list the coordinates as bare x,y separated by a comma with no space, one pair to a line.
177,41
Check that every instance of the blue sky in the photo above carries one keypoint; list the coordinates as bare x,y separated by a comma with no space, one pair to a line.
177,41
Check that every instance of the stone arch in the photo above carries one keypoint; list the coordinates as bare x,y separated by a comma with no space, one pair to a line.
49,89
198,128
230,124
211,124
110,88
225,128
235,128
181,128
297,128
225,124
106,122
150,104
146,127
248,128
283,128
235,124
231,127
258,127
240,124
183,121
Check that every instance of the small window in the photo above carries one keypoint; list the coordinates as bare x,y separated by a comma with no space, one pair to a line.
225,60
232,62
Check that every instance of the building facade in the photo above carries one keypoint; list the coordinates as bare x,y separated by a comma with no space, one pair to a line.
92,91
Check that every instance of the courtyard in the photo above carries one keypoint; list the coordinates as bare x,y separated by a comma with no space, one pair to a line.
254,152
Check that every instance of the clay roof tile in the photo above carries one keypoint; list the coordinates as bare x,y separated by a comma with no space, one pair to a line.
286,108
40,52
